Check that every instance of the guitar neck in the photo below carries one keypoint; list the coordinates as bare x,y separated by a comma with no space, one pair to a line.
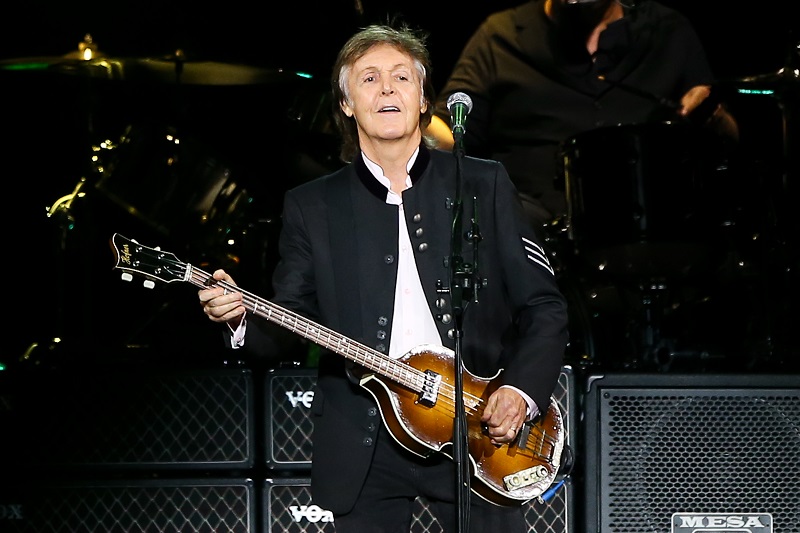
327,338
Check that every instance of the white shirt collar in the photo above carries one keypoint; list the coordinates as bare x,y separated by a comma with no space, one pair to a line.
377,171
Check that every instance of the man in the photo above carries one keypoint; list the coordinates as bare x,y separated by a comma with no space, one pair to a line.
603,113
367,252
547,70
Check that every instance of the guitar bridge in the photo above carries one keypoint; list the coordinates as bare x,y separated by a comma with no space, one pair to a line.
430,388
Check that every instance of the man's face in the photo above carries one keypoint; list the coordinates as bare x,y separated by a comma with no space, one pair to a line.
385,94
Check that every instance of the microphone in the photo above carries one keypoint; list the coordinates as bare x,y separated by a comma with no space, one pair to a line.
459,105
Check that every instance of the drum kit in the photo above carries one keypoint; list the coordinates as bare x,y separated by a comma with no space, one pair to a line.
678,252
190,155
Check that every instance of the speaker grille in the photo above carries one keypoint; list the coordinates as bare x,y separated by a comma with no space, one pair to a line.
126,419
289,426
146,506
288,508
555,514
713,450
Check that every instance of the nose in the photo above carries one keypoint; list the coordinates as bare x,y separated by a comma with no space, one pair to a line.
388,88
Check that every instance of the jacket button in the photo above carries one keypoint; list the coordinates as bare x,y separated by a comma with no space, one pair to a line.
422,247
367,441
381,335
371,427
417,217
446,318
388,259
381,348
382,321
372,411
418,232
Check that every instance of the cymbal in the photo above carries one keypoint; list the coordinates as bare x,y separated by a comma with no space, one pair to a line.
171,70
785,79
177,71
94,68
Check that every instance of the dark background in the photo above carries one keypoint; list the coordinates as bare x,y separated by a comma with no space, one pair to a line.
268,136
741,40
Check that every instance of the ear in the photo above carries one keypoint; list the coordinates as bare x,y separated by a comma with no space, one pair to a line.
346,109
423,104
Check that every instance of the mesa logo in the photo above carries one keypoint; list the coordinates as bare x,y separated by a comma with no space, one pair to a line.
721,523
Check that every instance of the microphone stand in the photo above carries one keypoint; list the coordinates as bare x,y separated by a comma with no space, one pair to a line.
462,284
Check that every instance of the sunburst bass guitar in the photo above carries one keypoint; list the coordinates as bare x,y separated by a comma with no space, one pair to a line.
416,393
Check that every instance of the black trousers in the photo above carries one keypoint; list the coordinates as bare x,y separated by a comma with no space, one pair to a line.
397,477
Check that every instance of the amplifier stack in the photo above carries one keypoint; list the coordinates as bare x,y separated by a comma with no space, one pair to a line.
137,449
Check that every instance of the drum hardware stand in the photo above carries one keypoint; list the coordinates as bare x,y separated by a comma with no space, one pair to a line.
655,351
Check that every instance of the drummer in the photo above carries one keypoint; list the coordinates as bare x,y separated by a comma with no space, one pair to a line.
547,70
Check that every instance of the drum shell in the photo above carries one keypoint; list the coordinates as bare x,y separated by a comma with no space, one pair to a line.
649,183
172,183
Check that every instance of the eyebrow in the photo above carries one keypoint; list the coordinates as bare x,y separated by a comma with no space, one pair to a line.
392,69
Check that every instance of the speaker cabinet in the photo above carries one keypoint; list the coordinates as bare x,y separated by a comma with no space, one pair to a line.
132,419
130,506
685,453
289,393
288,509
555,513
288,500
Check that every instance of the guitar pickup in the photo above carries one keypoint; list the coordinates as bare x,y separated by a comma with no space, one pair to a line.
430,388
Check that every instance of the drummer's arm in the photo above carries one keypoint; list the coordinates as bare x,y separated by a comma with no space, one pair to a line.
719,119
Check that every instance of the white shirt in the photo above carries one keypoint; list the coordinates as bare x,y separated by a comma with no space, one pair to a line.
410,326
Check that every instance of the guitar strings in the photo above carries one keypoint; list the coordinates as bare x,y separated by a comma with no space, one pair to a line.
281,316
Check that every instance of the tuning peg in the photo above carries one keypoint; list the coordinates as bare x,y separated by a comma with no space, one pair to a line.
149,284
157,248
126,276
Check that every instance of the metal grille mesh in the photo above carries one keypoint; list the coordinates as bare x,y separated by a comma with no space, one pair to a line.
289,425
289,510
707,451
201,506
196,420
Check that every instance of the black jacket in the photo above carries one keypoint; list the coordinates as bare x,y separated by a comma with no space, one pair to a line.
338,247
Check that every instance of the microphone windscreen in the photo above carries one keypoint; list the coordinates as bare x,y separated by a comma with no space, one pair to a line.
461,98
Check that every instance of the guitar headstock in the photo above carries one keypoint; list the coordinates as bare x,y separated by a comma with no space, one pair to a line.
152,263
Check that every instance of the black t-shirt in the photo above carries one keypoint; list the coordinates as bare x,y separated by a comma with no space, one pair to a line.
529,95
